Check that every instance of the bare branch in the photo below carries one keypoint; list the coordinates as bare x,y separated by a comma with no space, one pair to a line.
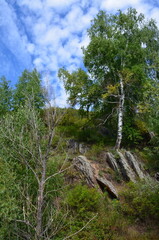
81,228
57,173
107,117
27,223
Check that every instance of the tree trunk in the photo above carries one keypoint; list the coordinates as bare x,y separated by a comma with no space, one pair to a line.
120,115
40,202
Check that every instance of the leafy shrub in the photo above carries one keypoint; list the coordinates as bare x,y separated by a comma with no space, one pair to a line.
141,200
82,199
151,154
85,203
80,127
95,150
8,203
131,135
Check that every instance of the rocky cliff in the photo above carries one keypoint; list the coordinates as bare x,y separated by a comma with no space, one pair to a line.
123,164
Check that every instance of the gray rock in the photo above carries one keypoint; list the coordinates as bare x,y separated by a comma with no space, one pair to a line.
82,148
72,145
135,165
157,176
112,161
75,147
126,170
83,165
104,183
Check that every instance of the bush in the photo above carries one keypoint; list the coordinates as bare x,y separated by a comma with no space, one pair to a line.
85,203
141,200
82,200
9,204
95,151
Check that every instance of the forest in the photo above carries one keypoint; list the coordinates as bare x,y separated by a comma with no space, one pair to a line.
90,171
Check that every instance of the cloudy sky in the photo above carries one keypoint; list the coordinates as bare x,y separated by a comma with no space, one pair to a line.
49,34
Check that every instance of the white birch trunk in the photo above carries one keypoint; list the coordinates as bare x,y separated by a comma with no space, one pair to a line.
120,114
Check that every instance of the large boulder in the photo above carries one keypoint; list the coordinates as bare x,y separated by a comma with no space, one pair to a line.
127,165
84,166
112,162
124,163
126,170
91,173
105,184
135,164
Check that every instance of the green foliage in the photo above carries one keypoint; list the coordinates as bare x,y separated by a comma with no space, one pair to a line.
141,201
72,124
56,182
9,202
25,146
151,155
79,82
132,135
83,200
85,203
122,45
95,151
5,96
29,88
18,133
80,128
90,135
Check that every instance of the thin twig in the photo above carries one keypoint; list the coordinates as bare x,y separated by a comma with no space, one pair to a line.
82,227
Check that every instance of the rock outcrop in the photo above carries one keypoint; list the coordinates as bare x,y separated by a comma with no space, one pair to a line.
126,170
84,166
124,163
112,161
127,164
157,176
135,165
107,185
75,147
91,174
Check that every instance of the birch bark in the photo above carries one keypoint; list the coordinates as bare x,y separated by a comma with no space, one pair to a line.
120,114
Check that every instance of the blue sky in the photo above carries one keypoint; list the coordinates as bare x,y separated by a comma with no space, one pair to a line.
49,34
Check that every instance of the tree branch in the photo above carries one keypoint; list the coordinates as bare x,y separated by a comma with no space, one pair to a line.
81,228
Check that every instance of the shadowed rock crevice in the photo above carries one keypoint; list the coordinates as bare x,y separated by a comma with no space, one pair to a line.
135,164
125,164
90,172
107,186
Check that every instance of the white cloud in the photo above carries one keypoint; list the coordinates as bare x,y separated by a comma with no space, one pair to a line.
60,100
14,41
30,48
38,63
59,4
155,14
58,29
34,5
113,5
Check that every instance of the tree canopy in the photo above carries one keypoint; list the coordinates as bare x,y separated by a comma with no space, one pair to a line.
120,60
43,192
29,86
5,96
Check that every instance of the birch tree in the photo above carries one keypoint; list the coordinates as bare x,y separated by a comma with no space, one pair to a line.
120,59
